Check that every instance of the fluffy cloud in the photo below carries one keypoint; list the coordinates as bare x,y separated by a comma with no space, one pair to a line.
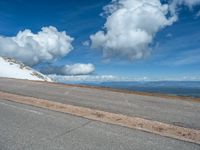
130,28
74,69
111,78
84,78
45,46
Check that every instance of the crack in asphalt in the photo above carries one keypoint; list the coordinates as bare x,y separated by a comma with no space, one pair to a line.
59,135
71,130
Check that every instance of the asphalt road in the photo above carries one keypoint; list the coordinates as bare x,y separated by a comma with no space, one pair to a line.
177,112
24,127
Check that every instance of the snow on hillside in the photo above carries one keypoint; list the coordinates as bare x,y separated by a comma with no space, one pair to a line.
10,68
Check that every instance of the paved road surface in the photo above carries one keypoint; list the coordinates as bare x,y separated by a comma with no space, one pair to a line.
178,112
28,128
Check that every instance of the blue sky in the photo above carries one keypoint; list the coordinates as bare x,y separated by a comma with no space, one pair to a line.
175,49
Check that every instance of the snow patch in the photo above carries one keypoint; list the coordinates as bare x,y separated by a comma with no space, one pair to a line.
10,68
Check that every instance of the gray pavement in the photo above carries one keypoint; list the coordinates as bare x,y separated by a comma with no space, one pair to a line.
25,127
177,112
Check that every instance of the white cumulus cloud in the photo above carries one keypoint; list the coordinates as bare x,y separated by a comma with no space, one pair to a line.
130,28
112,78
84,78
44,46
74,69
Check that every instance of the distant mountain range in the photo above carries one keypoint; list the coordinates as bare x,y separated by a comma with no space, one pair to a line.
181,88
10,68
181,84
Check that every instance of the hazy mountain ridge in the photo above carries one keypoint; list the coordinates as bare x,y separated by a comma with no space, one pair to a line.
181,88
